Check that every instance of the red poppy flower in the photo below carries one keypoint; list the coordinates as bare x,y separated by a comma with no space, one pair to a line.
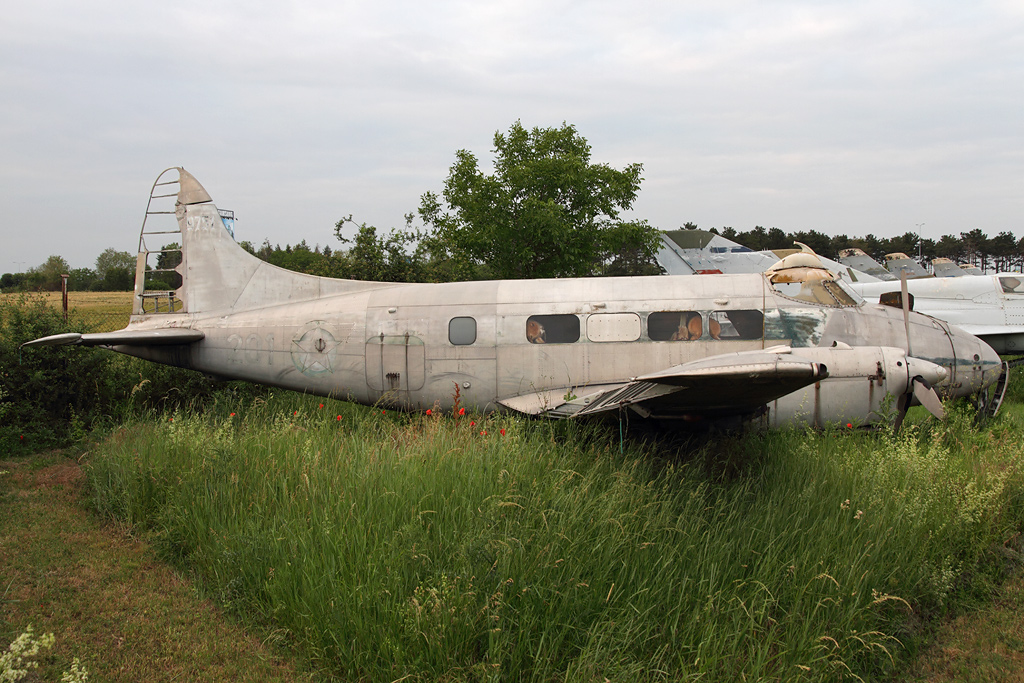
503,431
428,411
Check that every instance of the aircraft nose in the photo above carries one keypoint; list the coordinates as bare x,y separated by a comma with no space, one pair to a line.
978,365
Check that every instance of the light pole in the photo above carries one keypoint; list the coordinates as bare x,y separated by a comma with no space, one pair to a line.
920,242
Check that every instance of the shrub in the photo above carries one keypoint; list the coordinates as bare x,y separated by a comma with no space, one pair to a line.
50,397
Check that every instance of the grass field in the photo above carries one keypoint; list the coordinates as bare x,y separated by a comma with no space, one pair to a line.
383,547
100,311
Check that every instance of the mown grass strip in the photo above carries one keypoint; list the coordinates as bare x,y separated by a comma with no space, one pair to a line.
104,594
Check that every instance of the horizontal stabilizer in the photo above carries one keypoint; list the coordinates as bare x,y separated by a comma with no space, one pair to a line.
733,382
158,337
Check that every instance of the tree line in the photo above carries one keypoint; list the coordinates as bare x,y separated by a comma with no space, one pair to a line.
546,210
1003,252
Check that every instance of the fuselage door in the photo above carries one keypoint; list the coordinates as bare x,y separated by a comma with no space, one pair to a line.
395,363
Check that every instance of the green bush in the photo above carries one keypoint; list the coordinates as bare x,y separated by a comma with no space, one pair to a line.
52,396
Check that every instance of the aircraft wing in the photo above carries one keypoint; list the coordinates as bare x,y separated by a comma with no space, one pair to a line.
733,382
157,337
1007,339
990,330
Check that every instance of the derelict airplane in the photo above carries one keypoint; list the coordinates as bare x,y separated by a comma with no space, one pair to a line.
990,307
790,346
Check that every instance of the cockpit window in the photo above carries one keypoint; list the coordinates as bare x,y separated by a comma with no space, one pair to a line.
814,286
1012,285
742,324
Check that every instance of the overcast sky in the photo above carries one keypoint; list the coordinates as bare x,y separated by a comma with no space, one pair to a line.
843,117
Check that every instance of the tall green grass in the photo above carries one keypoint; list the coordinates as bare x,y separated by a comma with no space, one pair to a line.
391,547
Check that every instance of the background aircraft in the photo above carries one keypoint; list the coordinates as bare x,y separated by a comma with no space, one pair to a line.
988,306
790,346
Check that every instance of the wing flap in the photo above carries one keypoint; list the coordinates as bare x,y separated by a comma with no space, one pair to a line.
729,382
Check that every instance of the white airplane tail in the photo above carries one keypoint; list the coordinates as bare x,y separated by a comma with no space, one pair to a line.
188,241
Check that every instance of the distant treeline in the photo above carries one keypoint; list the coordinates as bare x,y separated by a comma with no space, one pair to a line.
404,256
1004,252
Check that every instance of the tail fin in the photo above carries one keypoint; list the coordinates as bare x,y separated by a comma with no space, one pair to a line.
198,247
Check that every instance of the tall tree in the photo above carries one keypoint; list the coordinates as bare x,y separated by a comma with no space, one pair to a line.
115,270
546,211
46,276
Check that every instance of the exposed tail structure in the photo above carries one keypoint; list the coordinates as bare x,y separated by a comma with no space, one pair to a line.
183,225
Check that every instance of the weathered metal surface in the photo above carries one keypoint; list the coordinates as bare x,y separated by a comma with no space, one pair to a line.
681,348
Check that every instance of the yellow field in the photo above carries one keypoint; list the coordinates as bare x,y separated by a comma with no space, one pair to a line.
103,311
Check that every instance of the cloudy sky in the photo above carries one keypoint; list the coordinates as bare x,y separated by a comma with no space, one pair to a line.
844,117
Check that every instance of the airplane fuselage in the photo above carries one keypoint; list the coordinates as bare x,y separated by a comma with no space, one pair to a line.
411,345
792,345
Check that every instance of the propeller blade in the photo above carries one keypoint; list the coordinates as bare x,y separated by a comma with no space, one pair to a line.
906,307
902,404
927,397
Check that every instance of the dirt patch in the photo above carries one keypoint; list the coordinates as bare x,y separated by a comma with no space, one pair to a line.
68,475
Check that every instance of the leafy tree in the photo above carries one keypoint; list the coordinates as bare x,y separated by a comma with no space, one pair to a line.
168,259
546,211
1002,248
975,244
46,276
115,270
11,281
397,257
81,279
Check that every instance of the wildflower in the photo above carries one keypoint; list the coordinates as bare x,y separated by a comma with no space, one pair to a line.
483,433
472,423
849,425
860,513
383,412
503,431
845,505
295,414
231,415
170,419
462,411
22,437
339,418
321,405
428,411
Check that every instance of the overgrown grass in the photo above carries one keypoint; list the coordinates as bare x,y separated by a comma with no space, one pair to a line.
384,547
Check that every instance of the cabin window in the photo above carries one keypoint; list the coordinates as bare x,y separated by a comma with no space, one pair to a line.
1012,285
742,324
462,331
675,326
613,327
553,329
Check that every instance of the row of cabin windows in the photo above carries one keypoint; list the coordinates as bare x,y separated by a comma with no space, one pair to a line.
627,327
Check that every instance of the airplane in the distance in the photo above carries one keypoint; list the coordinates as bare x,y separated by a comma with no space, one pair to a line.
990,307
792,345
